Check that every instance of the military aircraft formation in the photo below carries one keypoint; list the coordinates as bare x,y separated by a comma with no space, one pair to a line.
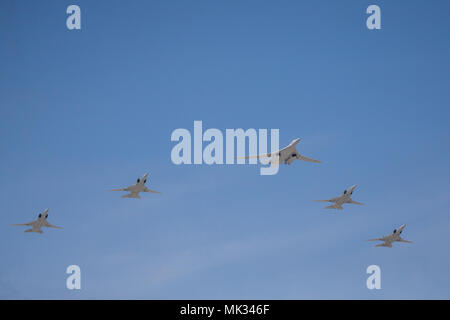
285,155
133,190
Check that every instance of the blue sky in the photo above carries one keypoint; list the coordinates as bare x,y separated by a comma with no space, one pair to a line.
85,111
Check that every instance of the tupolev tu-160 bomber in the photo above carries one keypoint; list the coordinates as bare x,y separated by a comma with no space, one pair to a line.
135,189
37,224
287,155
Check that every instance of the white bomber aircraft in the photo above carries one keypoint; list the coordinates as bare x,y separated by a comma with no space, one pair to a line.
286,155
137,188
37,224
345,197
394,236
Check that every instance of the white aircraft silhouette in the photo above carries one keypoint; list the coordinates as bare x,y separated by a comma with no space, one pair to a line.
37,224
286,155
137,188
345,197
394,236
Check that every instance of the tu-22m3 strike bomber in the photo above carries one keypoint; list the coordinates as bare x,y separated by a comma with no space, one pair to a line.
137,188
345,197
286,155
394,236
37,224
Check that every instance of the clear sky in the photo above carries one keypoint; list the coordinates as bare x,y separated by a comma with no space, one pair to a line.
82,112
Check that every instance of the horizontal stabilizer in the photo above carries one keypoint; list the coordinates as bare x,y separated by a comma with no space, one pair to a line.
131,195
334,206
386,244
37,231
